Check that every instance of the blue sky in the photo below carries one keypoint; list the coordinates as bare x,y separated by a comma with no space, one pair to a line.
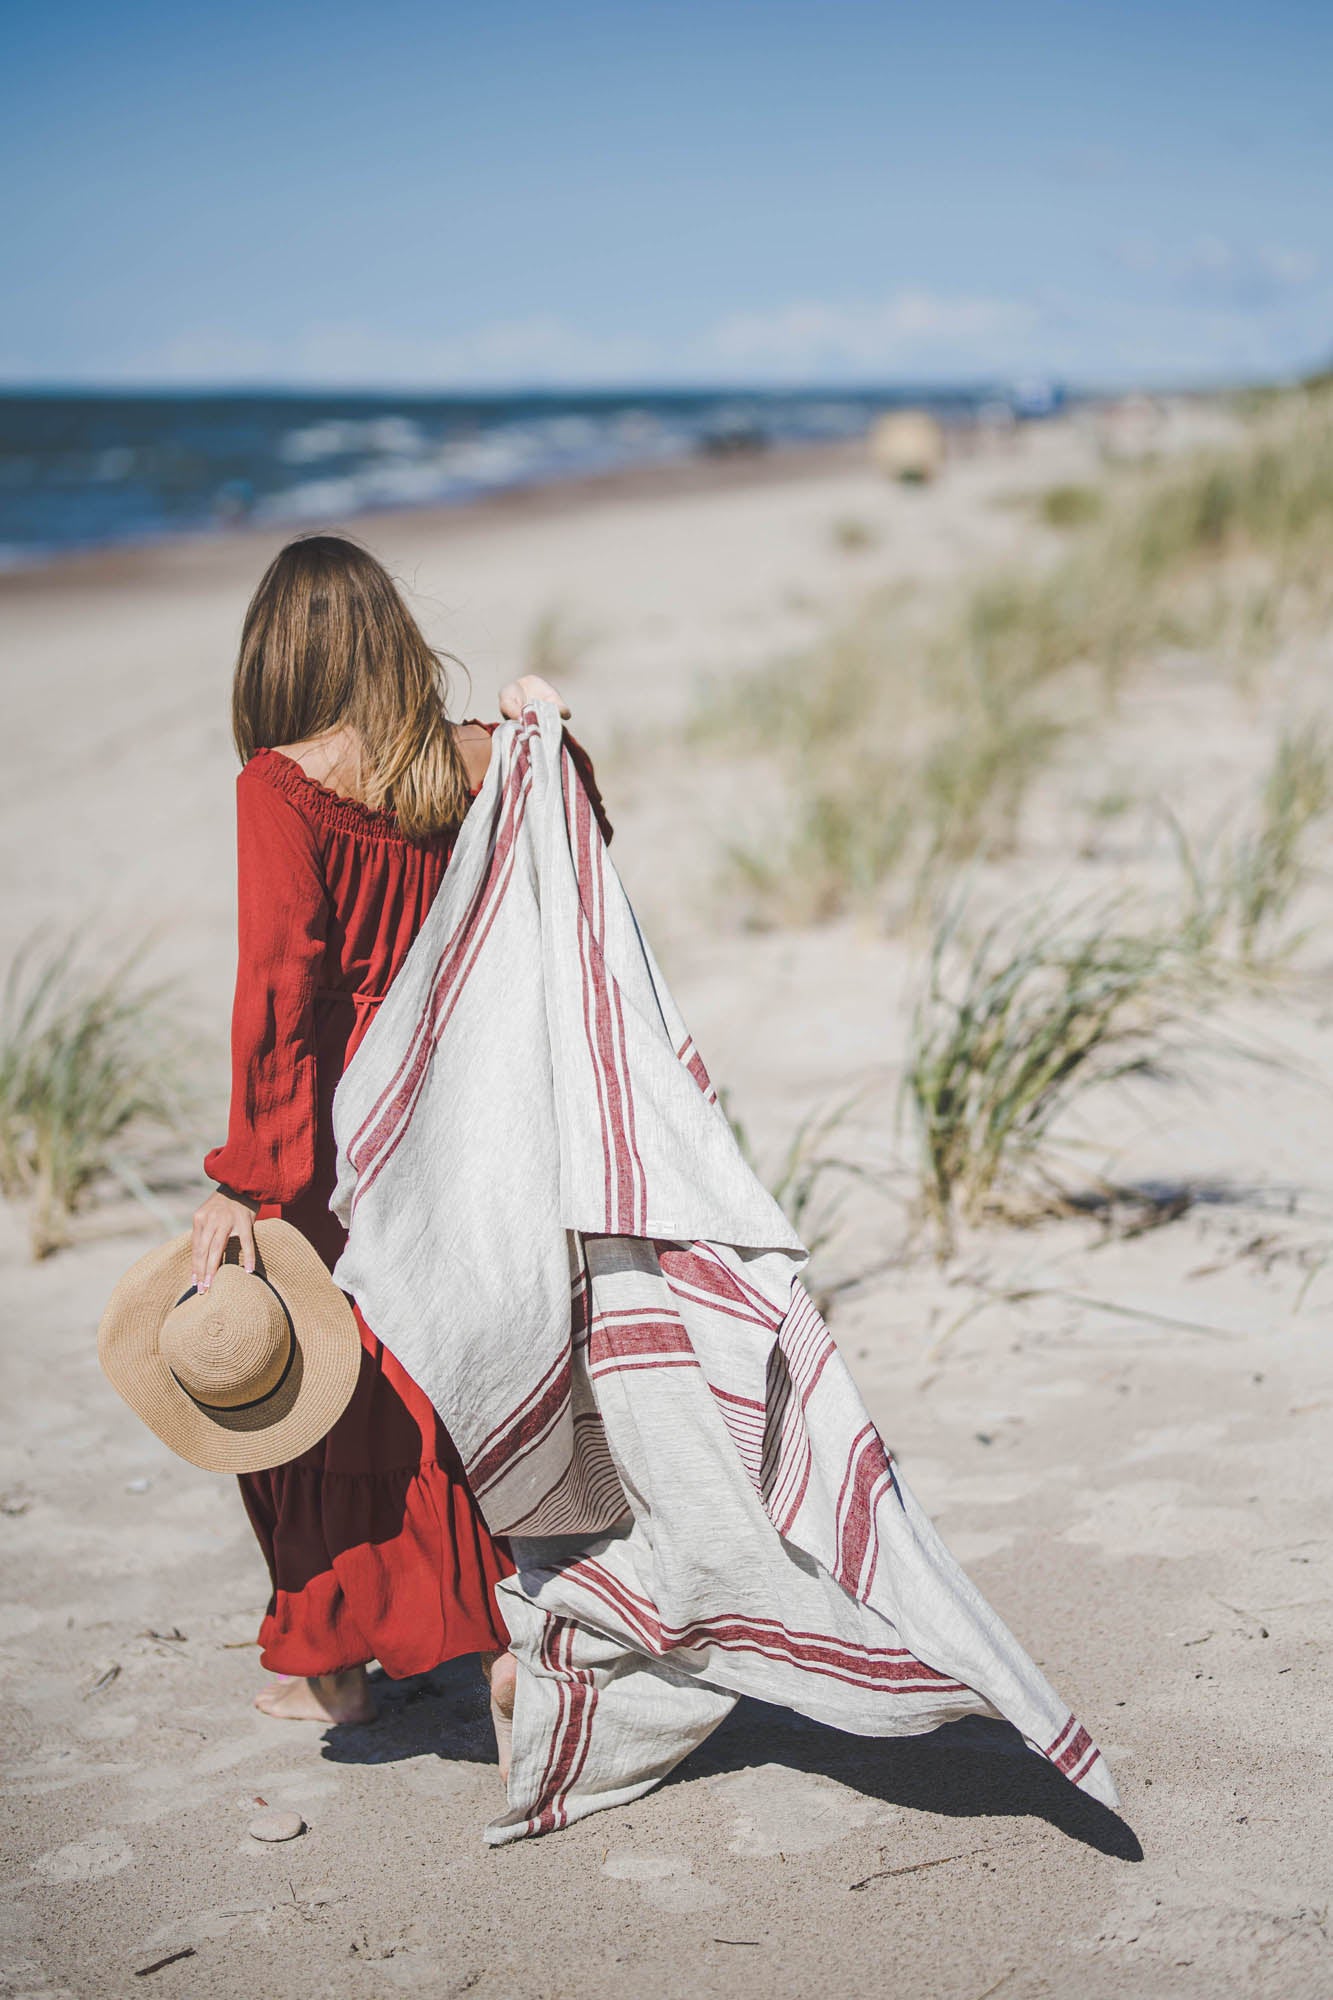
506,194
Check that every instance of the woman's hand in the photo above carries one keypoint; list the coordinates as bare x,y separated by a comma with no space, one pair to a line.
221,1217
515,696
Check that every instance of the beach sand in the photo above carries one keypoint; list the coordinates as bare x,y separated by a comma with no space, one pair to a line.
1132,1458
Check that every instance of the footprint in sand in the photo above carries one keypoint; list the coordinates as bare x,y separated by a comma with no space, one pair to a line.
17,1620
664,1883
23,1979
206,1926
86,1860
107,1728
1162,1517
778,1811
973,1545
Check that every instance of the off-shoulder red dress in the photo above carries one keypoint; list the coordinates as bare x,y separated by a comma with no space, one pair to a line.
374,1542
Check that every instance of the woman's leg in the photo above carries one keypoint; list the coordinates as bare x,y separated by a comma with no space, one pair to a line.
343,1697
501,1671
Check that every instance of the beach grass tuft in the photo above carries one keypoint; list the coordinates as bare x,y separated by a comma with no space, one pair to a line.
556,645
89,1073
1011,1033
1071,505
802,1181
852,535
1239,901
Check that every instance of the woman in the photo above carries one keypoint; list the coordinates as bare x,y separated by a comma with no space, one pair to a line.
352,789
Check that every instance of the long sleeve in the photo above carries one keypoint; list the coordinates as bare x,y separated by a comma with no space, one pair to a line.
283,916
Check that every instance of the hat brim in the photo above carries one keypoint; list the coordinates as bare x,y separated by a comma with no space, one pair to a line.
302,1410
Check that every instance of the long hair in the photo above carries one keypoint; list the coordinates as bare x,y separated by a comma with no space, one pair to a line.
327,643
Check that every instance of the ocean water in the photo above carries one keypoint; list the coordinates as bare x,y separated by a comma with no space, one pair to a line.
90,470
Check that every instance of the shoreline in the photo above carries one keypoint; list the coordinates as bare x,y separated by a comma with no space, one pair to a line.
685,478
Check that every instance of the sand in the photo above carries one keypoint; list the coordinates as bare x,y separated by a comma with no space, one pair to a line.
1132,1460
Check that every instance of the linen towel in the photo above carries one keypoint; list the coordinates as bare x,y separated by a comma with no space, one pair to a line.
552,1227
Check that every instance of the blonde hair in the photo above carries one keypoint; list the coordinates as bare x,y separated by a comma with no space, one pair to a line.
327,643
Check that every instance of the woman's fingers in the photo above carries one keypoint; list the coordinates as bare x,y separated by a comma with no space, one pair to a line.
214,1251
516,695
245,1234
199,1239
215,1224
536,689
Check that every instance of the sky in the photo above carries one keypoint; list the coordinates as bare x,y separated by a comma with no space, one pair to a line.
711,192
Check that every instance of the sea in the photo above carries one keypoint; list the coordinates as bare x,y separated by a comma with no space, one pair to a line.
89,469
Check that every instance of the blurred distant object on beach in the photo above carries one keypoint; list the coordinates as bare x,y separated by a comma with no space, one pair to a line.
1036,397
996,422
1132,427
908,445
734,437
1140,430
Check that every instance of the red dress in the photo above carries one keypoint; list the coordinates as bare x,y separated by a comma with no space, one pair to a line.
374,1542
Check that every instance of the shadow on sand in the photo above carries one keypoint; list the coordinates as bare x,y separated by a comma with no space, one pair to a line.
967,1770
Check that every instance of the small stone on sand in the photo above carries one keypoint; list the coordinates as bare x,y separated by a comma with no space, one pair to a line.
274,1825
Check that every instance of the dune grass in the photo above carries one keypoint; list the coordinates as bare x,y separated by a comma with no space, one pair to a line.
556,645
89,1074
851,534
933,721
1071,506
1241,895
803,1180
1010,1034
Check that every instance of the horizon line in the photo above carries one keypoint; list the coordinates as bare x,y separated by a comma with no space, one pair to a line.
960,385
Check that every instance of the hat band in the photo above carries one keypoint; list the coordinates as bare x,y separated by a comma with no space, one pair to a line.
231,1409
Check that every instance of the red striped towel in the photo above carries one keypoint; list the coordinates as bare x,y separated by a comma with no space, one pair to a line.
553,1229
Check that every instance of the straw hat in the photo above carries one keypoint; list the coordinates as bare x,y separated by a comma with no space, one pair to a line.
242,1377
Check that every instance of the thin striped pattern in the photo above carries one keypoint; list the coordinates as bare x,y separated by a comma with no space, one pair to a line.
572,1735
383,1129
819,1653
699,1276
523,1430
806,1346
746,1421
689,1057
866,1481
638,1339
1073,1751
604,1021
588,1497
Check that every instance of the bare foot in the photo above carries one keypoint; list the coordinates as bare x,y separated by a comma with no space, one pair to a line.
501,1670
344,1697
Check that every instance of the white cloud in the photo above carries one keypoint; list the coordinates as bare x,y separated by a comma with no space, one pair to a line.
1212,268
339,356
908,329
1199,313
1290,267
913,329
